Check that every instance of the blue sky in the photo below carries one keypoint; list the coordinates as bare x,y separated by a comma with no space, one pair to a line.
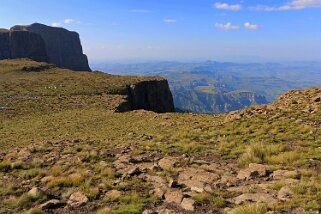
233,30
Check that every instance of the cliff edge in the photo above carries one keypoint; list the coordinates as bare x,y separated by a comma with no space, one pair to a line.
51,89
63,47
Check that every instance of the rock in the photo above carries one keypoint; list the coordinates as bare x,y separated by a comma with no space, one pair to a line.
63,47
317,99
188,204
114,194
47,179
254,197
196,179
167,163
21,44
281,174
51,204
159,192
77,199
285,193
149,212
131,171
254,171
173,196
34,192
227,181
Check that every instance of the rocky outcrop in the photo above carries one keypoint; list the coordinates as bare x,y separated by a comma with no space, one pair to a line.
22,44
63,47
151,95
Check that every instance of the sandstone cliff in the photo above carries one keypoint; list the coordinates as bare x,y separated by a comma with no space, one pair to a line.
63,47
22,44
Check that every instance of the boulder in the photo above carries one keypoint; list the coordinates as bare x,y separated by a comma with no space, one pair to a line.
34,192
77,199
174,196
254,197
167,163
253,171
285,193
51,204
281,174
114,194
196,179
188,204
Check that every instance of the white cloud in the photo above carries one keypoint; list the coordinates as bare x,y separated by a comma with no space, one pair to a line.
56,24
294,5
250,26
139,11
69,21
227,26
169,20
225,6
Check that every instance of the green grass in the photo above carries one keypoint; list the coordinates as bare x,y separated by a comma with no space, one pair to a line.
68,108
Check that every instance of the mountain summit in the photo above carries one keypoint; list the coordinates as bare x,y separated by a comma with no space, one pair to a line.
44,43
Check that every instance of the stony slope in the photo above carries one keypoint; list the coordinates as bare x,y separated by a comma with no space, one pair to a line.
88,159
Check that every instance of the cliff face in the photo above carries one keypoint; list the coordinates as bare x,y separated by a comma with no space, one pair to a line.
153,95
22,44
63,47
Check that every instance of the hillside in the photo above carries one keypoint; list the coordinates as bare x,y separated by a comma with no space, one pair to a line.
263,82
64,149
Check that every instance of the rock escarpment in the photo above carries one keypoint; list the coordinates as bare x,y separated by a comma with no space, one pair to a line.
63,47
153,95
22,44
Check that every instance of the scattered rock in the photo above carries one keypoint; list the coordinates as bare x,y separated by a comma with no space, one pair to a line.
114,194
51,204
173,196
47,179
188,204
34,192
196,179
167,163
254,197
77,199
159,192
285,193
227,181
280,174
149,212
130,171
254,171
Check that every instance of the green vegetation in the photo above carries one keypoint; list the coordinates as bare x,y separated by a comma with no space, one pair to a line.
53,138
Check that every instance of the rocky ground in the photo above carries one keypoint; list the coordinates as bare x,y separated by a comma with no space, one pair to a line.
78,177
66,154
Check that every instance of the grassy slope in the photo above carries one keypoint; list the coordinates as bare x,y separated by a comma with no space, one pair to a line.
290,137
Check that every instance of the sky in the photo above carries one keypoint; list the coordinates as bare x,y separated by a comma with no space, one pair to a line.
142,30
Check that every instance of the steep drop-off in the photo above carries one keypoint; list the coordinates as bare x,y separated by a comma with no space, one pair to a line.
49,89
63,47
22,44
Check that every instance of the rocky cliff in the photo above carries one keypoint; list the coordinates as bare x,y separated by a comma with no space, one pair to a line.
152,95
63,47
22,44
53,89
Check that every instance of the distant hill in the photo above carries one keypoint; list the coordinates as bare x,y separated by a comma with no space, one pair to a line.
214,87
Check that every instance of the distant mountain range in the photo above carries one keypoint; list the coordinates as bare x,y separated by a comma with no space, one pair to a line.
215,87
